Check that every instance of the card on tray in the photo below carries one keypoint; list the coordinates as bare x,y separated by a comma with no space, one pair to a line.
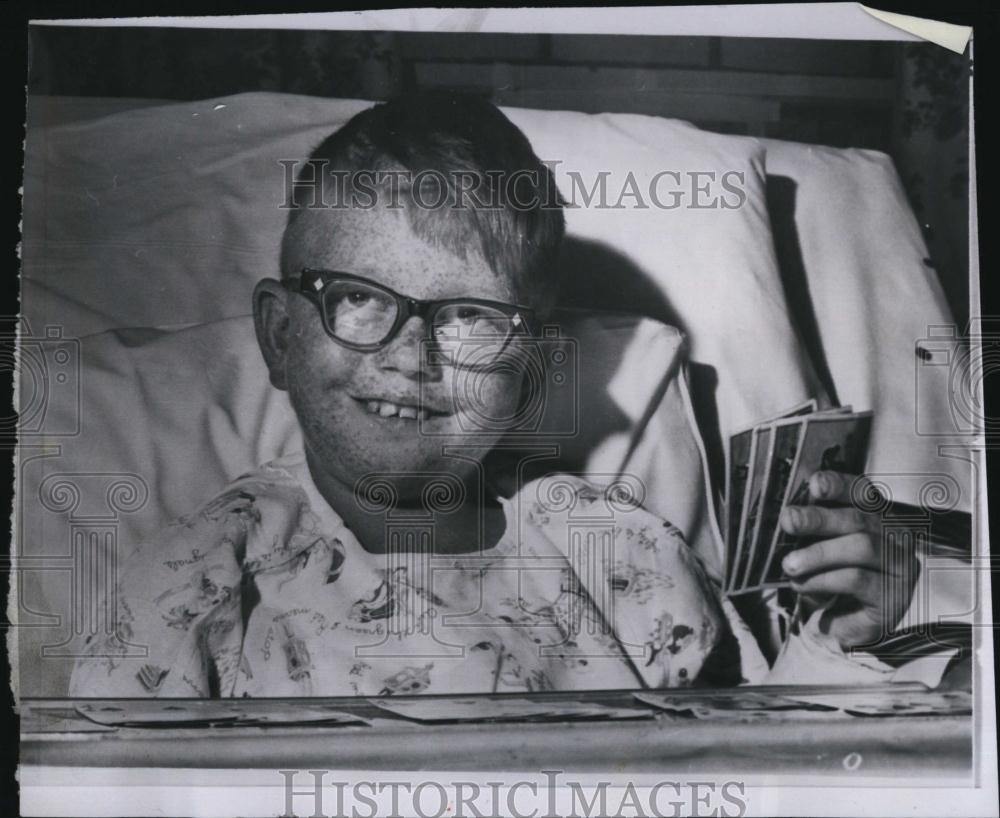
166,713
157,713
896,703
737,704
59,720
830,442
260,713
501,709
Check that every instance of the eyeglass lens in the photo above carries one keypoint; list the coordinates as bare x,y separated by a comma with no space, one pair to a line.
362,314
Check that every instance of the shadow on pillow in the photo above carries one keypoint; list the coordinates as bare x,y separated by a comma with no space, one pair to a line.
595,276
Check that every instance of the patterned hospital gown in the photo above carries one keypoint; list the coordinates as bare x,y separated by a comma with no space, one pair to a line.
265,592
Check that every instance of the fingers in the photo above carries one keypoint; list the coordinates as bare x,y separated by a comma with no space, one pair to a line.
819,521
862,584
853,550
836,487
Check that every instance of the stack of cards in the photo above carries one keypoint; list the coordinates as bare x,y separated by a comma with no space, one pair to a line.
769,467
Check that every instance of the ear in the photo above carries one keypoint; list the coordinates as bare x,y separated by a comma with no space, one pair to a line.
271,323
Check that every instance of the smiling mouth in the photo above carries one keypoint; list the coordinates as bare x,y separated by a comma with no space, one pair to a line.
387,409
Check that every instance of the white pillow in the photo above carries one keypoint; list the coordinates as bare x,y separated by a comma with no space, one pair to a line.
714,267
170,214
860,284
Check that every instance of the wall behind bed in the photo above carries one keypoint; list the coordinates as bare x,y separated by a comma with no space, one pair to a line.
903,99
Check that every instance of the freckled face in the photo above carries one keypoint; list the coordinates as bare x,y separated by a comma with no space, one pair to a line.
332,388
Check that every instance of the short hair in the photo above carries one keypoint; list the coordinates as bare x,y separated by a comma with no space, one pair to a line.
510,210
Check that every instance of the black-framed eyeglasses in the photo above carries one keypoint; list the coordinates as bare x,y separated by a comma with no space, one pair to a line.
362,315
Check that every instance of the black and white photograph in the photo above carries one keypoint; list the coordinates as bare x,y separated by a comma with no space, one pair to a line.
501,412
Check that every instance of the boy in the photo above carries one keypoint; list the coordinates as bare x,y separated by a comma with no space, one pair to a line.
384,559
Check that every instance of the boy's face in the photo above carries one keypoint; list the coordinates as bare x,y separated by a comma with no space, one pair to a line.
334,389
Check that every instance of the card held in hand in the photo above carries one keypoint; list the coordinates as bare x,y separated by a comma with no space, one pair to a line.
764,441
769,467
786,439
746,457
830,442
740,454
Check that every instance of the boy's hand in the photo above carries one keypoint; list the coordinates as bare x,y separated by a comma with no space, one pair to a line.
873,587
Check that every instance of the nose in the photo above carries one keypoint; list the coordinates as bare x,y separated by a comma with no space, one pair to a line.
405,353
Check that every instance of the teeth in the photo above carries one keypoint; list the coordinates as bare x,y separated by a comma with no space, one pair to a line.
385,409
